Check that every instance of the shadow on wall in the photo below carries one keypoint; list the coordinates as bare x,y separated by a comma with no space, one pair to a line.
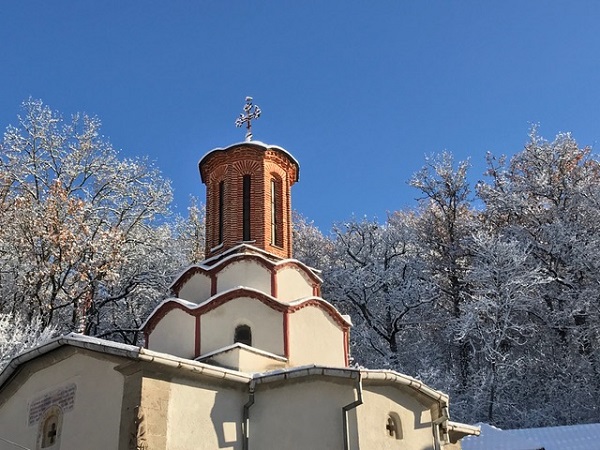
226,417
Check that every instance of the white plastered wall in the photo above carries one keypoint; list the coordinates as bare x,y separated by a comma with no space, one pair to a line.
218,325
299,415
207,418
91,424
292,284
247,273
196,289
415,419
174,334
247,361
314,338
307,414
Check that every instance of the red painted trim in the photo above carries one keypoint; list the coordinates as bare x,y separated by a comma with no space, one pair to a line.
214,270
243,292
319,303
273,284
213,284
197,340
162,312
299,266
286,334
146,339
346,348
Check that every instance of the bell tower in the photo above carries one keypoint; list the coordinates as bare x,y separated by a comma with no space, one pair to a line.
249,306
248,194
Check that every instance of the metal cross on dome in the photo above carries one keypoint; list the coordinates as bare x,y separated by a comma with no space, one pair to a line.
247,117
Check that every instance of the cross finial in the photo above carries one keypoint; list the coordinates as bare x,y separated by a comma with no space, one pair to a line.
247,116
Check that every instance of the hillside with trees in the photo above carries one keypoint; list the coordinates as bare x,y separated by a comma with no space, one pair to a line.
487,292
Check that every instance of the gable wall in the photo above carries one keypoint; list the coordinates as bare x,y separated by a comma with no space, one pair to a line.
92,422
175,334
247,273
205,417
218,325
293,284
196,289
415,419
307,414
314,338
299,415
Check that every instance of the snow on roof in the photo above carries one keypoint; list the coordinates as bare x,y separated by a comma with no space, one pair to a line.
571,437
236,252
254,144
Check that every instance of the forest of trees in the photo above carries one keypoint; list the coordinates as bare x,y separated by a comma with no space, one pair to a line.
490,293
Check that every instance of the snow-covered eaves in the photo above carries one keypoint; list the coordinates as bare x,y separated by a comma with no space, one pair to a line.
368,376
460,430
242,347
570,437
214,262
169,361
117,349
242,291
257,144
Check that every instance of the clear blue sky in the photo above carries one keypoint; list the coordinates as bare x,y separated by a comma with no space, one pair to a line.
358,91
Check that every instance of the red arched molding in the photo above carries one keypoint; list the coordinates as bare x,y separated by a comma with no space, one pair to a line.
233,294
197,338
286,334
346,347
274,267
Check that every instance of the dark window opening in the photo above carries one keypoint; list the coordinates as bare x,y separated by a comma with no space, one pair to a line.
221,209
246,208
243,335
275,213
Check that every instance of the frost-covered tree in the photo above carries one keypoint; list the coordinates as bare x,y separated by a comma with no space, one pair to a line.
546,196
310,245
376,276
190,233
18,334
444,224
81,240
499,322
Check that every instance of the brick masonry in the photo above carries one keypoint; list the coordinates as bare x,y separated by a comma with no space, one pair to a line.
263,164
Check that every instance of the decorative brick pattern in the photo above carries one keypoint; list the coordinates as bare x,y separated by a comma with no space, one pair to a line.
263,164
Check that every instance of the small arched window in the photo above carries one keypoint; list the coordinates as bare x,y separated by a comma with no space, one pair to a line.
243,335
393,426
50,428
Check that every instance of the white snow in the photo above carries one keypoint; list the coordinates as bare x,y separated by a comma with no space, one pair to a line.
571,437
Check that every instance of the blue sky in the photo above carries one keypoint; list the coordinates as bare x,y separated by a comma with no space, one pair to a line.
359,92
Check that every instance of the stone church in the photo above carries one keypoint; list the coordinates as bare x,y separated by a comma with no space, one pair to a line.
244,355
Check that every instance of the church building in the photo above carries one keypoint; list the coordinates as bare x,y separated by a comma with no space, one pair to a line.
245,355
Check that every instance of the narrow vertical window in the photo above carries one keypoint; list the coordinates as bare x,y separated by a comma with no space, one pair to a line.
246,208
221,209
275,207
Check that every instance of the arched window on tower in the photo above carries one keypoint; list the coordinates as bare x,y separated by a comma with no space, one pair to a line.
221,209
243,335
246,208
276,217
